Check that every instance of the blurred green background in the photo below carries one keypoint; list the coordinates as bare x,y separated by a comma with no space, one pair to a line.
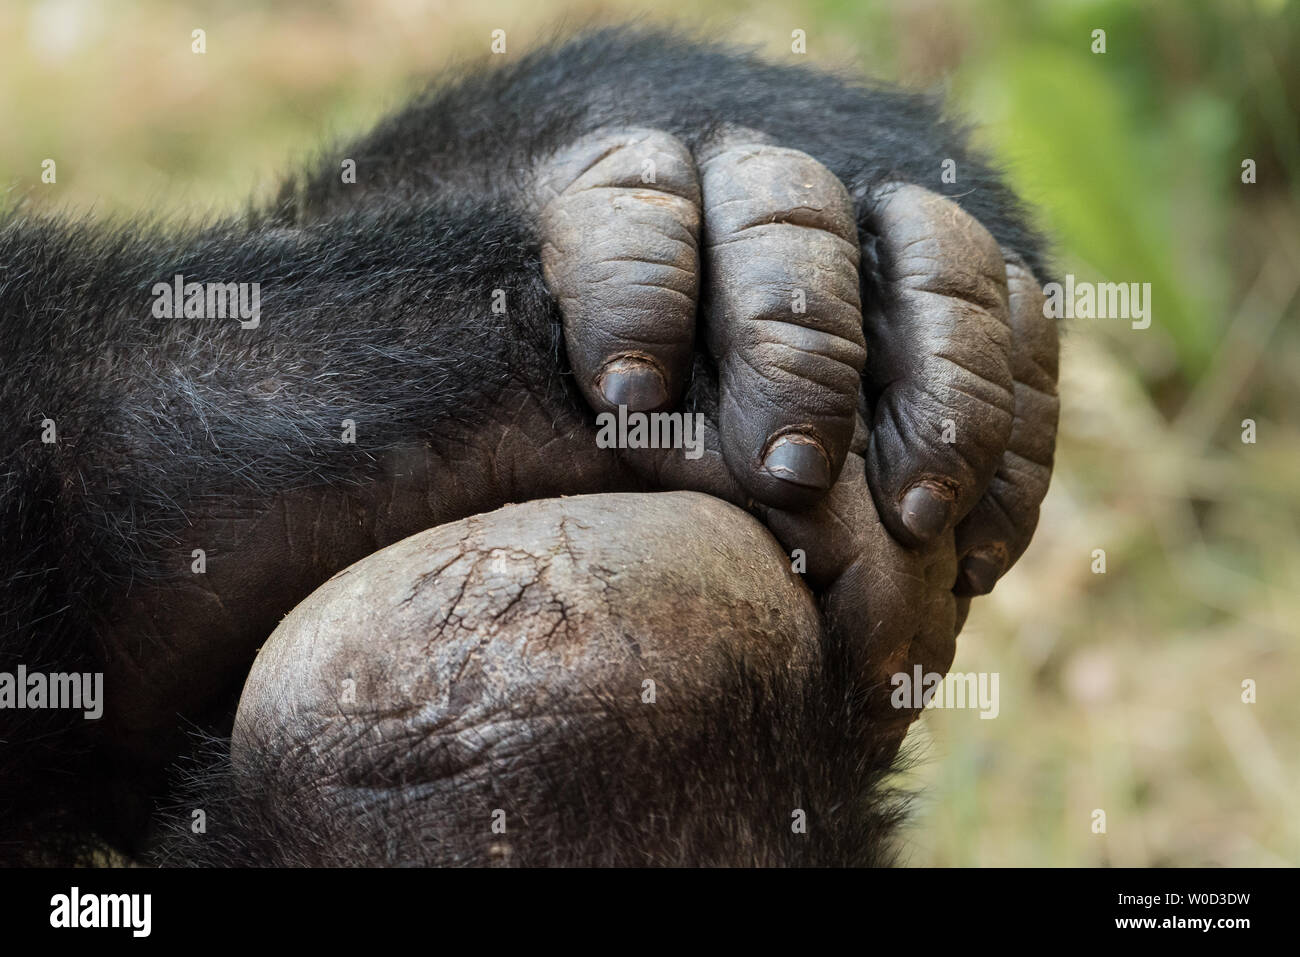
1119,691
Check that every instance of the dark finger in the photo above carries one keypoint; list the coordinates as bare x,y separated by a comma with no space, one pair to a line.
938,368
783,317
620,250
997,531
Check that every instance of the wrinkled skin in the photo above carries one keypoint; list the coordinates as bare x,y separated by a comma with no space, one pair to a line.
459,670
780,390
897,427
608,679
770,226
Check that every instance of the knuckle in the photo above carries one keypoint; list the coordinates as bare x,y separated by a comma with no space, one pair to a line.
1033,435
815,355
766,284
934,245
646,161
1037,353
808,383
751,185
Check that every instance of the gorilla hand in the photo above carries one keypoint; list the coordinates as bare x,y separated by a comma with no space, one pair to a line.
960,362
963,421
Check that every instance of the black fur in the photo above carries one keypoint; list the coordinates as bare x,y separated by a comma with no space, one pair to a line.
476,135
378,292
378,317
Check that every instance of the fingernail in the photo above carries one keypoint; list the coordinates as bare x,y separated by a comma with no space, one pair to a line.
925,511
799,460
633,382
980,573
